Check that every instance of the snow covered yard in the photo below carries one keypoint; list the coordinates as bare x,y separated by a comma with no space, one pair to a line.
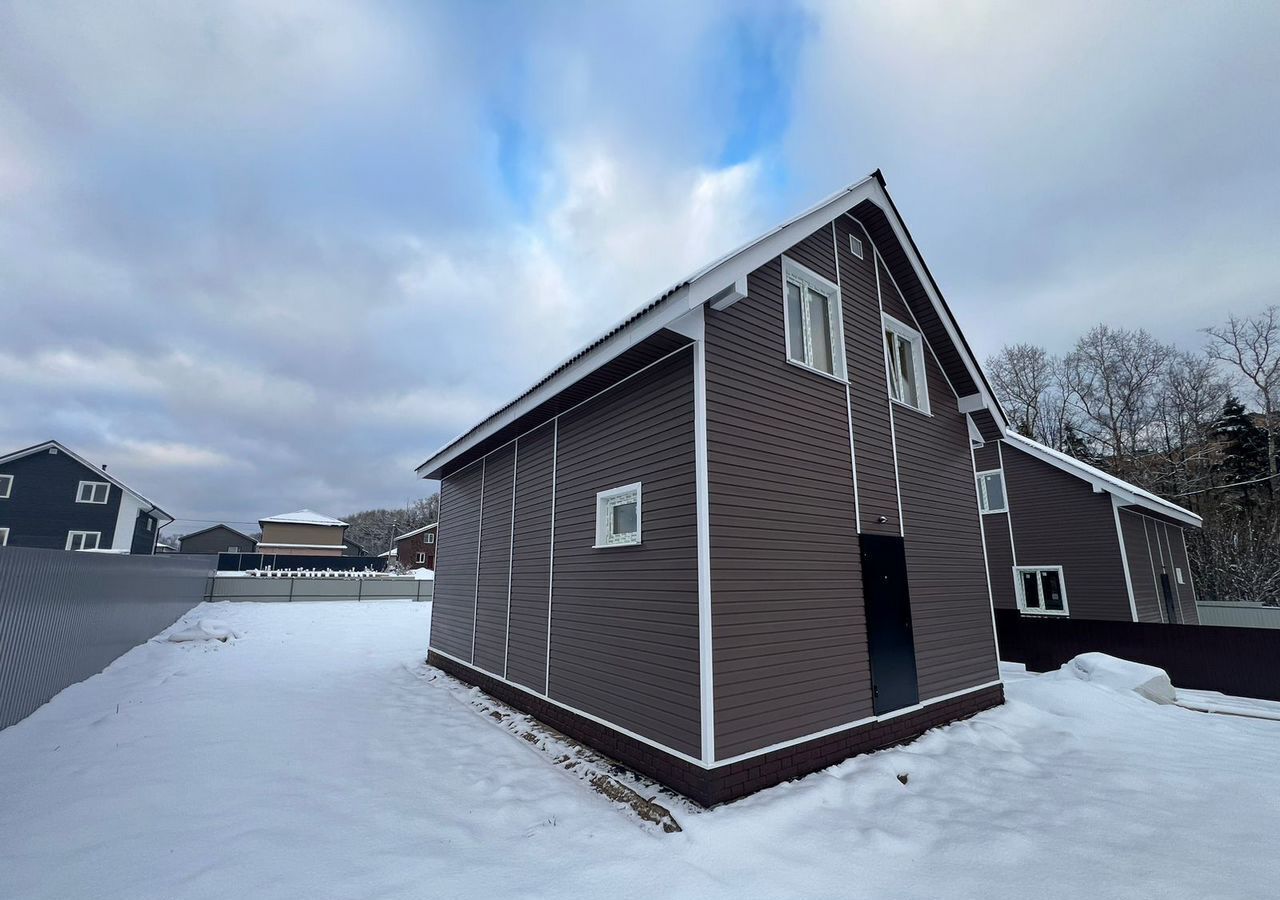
316,756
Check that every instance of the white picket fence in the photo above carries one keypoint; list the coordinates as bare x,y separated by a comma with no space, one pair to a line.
1245,615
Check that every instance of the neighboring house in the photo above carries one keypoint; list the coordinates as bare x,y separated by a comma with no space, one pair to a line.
1066,539
417,549
351,548
302,533
217,539
50,497
736,539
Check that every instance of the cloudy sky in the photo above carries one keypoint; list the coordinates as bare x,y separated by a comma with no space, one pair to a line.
267,254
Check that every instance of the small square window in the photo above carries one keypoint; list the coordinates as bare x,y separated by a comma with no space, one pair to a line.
1041,590
83,540
618,516
904,353
6,486
430,537
812,313
420,558
93,492
991,492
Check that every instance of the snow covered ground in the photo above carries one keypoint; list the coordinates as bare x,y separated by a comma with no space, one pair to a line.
313,755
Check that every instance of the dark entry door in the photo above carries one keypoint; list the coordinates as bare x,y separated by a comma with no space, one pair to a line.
889,640
1170,606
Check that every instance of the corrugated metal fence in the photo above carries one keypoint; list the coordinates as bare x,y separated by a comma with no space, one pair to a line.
66,616
1246,615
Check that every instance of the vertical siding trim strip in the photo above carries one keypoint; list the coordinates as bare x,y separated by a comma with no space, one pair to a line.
848,393
1124,558
703,501
986,563
551,568
1191,579
1008,513
511,555
475,609
1155,582
893,431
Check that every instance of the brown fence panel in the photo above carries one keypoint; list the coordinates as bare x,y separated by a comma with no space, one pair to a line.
1240,661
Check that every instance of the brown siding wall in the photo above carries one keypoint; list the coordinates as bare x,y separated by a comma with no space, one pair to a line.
294,533
1167,554
624,620
1059,521
950,603
1139,551
493,574
1185,592
788,637
531,560
453,605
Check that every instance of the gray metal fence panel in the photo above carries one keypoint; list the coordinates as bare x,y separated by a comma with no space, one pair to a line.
283,590
1246,615
65,616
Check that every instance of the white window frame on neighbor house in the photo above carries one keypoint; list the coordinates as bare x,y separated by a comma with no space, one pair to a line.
1019,571
6,487
984,498
4,537
93,492
898,331
84,539
606,501
429,537
420,558
810,284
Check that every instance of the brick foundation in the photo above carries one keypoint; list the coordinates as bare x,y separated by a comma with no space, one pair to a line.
730,782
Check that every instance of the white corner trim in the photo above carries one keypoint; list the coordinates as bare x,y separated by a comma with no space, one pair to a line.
888,399
1124,558
848,397
1008,505
706,657
986,563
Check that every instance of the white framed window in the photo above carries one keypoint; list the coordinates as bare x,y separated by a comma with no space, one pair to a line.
991,497
420,558
83,540
618,516
6,486
150,523
430,537
93,492
814,334
1041,590
1177,573
4,536
904,353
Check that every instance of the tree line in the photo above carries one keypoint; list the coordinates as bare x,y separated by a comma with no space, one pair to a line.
373,529
1200,427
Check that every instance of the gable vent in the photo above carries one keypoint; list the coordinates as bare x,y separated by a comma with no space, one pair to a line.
855,246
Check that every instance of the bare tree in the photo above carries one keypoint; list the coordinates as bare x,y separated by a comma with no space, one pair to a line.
1112,378
1190,400
1022,375
1252,345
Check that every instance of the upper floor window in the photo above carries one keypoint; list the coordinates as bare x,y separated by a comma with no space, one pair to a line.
6,486
991,492
813,331
93,492
904,349
83,540
1041,590
618,516
420,558
430,537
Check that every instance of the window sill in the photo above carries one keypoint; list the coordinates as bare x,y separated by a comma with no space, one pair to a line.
615,546
994,512
821,374
914,409
1044,612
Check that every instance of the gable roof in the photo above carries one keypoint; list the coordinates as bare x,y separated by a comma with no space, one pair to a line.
97,471
234,531
1128,494
713,283
303,517
415,532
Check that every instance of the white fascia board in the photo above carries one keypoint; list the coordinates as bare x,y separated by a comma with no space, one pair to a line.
415,532
1127,494
972,403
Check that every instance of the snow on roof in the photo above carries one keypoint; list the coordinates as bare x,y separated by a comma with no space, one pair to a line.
101,473
1129,493
304,517
416,531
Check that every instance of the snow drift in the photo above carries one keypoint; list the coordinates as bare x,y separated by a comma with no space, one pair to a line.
1122,675
204,630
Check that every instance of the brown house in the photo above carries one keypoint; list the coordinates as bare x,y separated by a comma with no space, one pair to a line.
601,562
417,548
1066,539
302,533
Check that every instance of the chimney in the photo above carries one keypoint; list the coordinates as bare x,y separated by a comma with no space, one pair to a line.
104,467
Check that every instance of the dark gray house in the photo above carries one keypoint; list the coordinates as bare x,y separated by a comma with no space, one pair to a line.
1066,539
52,498
218,539
601,558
